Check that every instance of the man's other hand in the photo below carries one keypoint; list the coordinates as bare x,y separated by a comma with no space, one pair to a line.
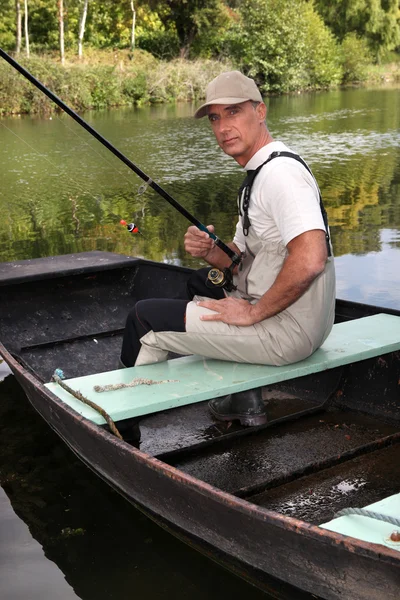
232,311
198,243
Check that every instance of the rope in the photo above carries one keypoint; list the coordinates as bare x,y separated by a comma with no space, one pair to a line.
363,512
138,381
93,405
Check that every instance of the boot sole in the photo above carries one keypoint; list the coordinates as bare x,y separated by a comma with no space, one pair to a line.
245,420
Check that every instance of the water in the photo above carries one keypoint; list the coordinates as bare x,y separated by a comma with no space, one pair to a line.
62,192
90,535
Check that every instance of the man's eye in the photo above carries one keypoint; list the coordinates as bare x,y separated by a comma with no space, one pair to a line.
212,118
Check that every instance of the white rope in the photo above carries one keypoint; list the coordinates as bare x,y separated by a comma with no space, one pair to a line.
138,381
363,512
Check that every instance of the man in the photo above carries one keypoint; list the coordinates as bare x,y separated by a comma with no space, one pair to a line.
282,309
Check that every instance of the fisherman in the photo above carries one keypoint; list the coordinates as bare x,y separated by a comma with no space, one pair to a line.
282,305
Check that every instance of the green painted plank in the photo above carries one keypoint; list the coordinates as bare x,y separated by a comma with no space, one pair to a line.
367,529
198,378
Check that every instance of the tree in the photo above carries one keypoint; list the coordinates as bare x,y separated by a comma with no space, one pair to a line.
82,24
284,45
26,27
18,26
61,29
133,26
193,20
378,21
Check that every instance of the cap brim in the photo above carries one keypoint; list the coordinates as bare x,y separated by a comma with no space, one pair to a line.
202,111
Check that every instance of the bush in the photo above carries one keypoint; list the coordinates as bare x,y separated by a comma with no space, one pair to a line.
284,45
356,58
134,87
323,63
163,44
84,87
183,80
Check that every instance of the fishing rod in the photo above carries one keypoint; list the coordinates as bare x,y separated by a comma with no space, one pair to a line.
216,276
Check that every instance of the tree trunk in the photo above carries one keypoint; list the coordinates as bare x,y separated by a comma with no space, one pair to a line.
133,26
26,28
82,24
61,28
19,26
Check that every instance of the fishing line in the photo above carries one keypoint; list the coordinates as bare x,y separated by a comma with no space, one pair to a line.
56,167
82,139
86,143
148,181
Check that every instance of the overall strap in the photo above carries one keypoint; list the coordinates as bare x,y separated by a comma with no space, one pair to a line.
245,192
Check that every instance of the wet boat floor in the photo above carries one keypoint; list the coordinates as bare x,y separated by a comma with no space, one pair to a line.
356,483
288,466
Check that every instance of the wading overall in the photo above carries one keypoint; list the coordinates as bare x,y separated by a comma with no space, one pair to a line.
287,337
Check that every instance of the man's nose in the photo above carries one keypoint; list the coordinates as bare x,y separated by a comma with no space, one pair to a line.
223,125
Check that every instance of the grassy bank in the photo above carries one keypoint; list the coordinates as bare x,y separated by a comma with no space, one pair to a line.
107,78
103,80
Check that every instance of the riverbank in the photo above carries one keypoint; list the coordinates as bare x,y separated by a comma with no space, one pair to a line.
104,80
115,78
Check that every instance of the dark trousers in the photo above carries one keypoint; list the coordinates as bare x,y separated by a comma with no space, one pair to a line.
162,314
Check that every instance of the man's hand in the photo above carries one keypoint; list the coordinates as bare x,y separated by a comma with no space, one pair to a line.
232,311
198,243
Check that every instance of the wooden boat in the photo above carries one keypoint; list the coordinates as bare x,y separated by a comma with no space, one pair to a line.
253,499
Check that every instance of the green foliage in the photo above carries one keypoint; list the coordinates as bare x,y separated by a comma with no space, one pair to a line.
323,61
7,24
43,24
161,43
268,47
135,88
183,80
102,86
197,23
378,21
285,45
356,58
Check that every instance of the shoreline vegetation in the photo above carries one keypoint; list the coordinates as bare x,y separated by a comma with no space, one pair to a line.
105,79
116,78
97,55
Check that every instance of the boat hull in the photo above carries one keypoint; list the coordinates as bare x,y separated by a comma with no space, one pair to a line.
277,554
82,299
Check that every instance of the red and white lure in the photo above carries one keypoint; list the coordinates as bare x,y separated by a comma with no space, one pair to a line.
131,227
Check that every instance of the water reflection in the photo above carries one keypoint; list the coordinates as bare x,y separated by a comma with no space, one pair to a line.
103,546
370,277
38,577
63,192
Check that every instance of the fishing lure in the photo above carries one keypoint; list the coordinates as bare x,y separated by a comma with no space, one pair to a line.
131,227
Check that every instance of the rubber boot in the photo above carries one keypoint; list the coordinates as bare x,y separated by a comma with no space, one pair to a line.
246,407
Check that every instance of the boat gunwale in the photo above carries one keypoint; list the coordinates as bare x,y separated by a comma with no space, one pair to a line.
314,532
117,261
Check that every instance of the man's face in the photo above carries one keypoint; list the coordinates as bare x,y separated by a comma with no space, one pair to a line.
239,128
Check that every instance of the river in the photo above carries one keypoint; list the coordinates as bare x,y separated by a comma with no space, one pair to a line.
62,192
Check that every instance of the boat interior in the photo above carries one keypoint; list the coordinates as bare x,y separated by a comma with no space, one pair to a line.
332,438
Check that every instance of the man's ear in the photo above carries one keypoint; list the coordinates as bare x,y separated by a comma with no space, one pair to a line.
261,111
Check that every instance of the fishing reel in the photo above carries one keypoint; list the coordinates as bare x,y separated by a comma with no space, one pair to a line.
221,278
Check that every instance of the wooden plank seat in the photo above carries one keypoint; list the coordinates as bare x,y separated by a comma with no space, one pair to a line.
192,379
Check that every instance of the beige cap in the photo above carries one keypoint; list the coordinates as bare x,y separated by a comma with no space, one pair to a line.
229,88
